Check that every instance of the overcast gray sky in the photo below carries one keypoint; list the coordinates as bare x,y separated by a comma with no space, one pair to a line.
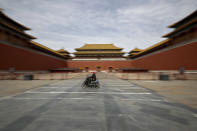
72,23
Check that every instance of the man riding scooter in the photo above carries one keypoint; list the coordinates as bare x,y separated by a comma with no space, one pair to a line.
91,81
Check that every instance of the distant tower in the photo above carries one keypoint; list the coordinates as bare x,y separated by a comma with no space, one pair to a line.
134,52
99,52
64,52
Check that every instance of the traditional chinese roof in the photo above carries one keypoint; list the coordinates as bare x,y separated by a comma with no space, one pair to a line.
16,30
152,48
63,51
135,50
183,25
13,26
184,20
99,47
99,52
181,28
4,16
46,49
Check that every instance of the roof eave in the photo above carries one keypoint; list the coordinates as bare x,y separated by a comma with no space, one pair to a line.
47,49
18,31
79,49
152,47
174,25
94,53
18,24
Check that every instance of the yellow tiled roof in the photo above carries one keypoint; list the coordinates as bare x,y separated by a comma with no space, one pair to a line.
46,48
133,53
135,50
12,27
153,46
62,51
181,27
98,46
182,20
24,27
99,52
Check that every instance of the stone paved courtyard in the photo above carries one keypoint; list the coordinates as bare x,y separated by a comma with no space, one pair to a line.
118,105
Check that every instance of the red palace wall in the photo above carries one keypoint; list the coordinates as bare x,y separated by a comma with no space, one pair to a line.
92,65
22,59
184,56
173,59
